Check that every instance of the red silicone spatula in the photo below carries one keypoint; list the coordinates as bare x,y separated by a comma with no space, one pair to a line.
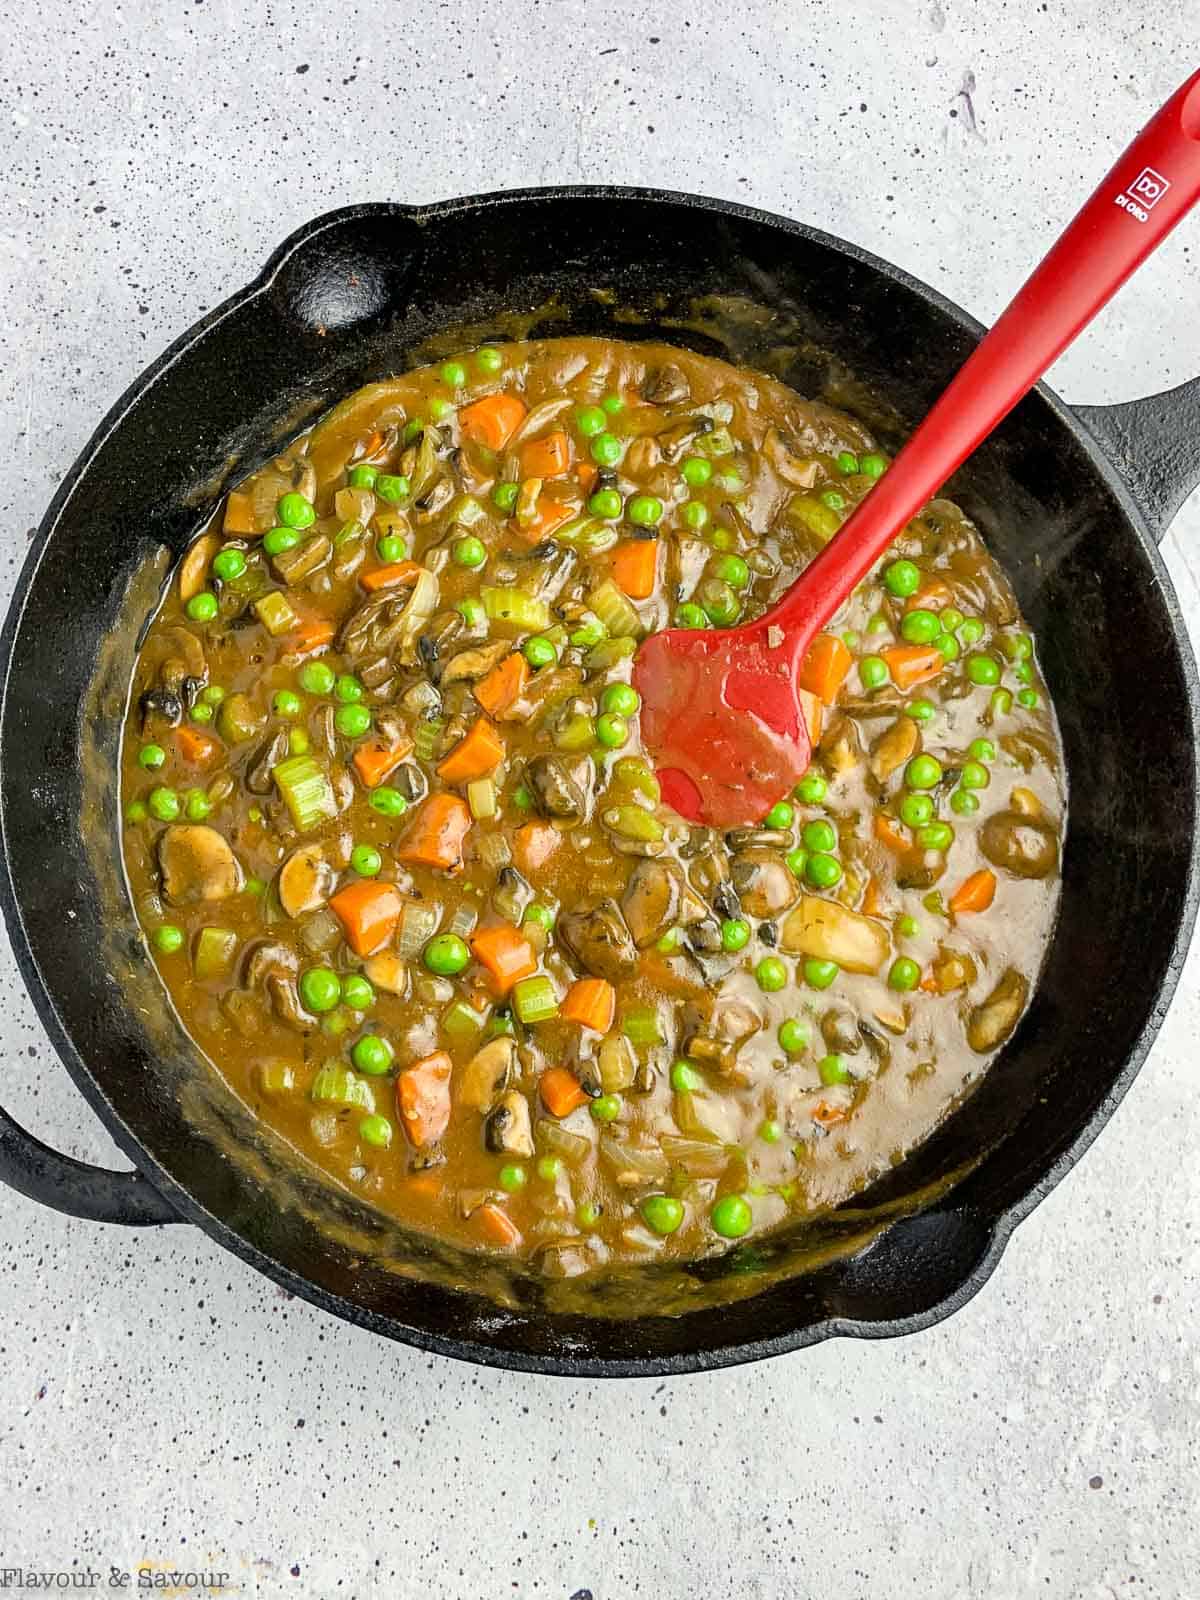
721,715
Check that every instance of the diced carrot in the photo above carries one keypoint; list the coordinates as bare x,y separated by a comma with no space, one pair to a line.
890,834
370,446
505,952
425,1185
493,420
871,898
928,984
825,666
814,715
423,1098
368,912
195,746
312,635
635,567
435,836
560,1091
374,760
390,577
534,844
934,595
591,1002
975,893
550,515
587,473
910,664
476,755
239,512
828,1116
547,457
496,1226
504,685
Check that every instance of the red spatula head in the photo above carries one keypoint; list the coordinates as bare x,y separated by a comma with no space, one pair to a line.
722,721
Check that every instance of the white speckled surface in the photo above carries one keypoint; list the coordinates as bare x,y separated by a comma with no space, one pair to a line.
159,1402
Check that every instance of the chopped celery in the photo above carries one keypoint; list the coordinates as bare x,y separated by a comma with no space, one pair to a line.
575,732
335,1084
515,607
634,822
640,1025
819,519
305,788
461,1022
616,1064
717,443
215,951
427,740
347,532
481,797
631,772
615,611
275,1078
608,653
273,611
534,999
465,509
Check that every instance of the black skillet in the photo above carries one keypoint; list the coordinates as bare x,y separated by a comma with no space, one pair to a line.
1072,504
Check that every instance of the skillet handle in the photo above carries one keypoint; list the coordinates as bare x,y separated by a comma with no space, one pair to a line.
72,1187
1154,443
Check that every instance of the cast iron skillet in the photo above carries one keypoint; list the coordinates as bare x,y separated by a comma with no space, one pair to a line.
1072,503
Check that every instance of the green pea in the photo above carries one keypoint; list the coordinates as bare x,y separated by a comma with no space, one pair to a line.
522,798
879,624
982,750
539,915
613,403
920,626
446,954
721,604
196,805
771,975
847,464
469,552
685,1078
168,938
920,710
164,804
357,993
819,835
548,1169
974,775
588,1214
644,511
606,1107
488,359
1000,704
202,607
335,1024
539,652
850,639
228,565
696,471
352,721
662,1213
832,1069
512,1177
812,789
151,756
136,811
833,498
453,374
279,540
1023,672
295,511
964,802
970,632
320,989
1029,698
287,704
387,801
391,548
948,645
733,571
607,504
923,772
606,450
504,496
213,695
735,934
1016,646
317,677
375,1131
392,489
905,974
794,1036
823,871
440,408
363,476
366,860
373,1055
588,634
612,730
797,860
770,1132
902,578
202,712
983,669
590,420
935,836
872,466
907,927
916,810
621,698
690,616
873,672
820,974
731,1216
695,515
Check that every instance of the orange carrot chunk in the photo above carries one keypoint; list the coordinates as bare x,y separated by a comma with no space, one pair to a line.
825,666
550,513
435,836
591,1002
505,952
890,834
493,420
547,457
503,686
476,755
587,474
975,893
390,577
310,636
195,746
934,595
374,760
497,1227
560,1091
910,664
368,912
423,1098
635,567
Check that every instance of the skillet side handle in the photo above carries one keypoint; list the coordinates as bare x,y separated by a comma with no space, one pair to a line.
1154,444
72,1187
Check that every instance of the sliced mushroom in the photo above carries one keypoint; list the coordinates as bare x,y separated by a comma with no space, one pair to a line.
294,566
306,881
642,457
991,1023
800,472
894,746
599,941
673,441
197,863
555,792
507,1130
470,665
953,969
387,971
273,968
826,931
841,749
652,900
193,569
265,759
435,499
839,1029
487,1075
162,704
765,884
667,386
1023,845
184,644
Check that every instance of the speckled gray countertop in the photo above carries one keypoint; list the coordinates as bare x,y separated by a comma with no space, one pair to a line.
161,1404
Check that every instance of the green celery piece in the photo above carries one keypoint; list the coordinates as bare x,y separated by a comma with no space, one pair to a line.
305,788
